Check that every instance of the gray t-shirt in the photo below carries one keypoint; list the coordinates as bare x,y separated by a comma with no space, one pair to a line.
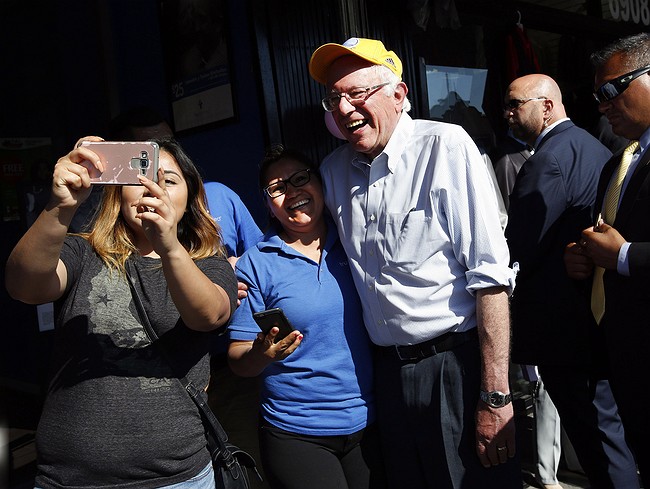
114,415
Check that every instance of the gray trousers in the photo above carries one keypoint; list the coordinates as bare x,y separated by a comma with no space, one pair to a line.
548,431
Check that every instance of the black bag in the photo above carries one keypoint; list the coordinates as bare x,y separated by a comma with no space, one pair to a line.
228,470
228,461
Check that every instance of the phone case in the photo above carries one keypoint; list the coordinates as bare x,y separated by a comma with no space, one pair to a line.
123,162
273,317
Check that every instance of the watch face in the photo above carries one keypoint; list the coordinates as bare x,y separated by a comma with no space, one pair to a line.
497,399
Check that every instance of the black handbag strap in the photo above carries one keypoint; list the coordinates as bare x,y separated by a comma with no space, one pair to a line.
217,433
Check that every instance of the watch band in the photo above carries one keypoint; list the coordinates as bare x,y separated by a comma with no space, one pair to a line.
495,399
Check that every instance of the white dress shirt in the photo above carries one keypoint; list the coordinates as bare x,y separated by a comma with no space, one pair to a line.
623,263
546,131
421,230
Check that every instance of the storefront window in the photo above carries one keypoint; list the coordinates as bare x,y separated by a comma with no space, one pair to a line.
450,88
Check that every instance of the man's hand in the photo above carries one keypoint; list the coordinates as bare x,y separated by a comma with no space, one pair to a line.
602,245
242,292
495,434
578,265
495,427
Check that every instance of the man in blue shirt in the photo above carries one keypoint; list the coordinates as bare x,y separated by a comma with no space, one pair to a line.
238,229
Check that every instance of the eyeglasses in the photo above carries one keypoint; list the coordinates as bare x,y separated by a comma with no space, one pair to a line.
515,104
298,179
613,88
356,96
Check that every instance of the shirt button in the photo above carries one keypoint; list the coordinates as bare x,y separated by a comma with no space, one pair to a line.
372,217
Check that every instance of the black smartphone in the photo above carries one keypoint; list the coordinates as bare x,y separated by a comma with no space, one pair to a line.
273,317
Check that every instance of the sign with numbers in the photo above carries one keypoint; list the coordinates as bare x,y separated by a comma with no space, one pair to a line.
197,55
636,11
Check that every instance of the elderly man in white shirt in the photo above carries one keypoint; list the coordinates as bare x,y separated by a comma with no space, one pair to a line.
418,217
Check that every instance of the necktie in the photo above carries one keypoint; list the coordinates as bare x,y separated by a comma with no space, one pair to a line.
610,206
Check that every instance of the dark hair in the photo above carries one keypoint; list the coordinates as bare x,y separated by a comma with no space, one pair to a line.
272,155
125,125
191,227
112,239
277,152
635,50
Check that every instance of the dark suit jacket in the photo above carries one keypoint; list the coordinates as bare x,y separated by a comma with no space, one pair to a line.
627,299
551,203
508,159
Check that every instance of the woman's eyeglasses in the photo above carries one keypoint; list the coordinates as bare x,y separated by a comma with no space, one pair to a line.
298,179
613,88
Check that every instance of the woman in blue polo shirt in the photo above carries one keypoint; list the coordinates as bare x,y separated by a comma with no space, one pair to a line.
317,405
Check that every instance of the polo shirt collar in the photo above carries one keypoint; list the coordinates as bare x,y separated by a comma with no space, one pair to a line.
272,240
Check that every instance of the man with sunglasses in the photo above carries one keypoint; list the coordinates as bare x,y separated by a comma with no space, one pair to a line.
614,253
418,218
552,324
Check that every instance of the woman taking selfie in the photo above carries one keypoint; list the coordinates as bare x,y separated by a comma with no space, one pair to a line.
317,408
115,416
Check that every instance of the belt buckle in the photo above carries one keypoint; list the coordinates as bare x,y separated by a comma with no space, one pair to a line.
403,357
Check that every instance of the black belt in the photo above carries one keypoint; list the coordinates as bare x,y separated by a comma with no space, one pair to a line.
445,342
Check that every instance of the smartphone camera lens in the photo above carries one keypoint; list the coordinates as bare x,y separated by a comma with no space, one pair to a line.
144,163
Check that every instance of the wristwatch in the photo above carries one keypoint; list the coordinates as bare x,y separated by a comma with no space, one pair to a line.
496,399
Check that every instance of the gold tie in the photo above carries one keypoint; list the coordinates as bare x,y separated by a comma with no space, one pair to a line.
610,206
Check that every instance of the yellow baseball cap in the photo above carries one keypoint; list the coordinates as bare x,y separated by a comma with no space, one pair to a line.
368,49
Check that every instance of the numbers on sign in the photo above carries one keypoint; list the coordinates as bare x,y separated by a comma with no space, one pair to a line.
177,90
645,12
636,11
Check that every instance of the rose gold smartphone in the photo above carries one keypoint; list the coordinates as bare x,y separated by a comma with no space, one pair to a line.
123,162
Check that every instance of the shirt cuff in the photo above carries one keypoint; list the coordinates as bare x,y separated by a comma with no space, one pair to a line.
623,264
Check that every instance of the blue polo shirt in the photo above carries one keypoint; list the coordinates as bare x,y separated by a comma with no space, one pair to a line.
238,228
238,233
323,388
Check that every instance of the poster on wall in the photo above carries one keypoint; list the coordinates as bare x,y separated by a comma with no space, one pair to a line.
197,58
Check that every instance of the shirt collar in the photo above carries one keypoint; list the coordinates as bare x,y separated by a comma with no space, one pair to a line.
547,130
644,141
394,148
273,241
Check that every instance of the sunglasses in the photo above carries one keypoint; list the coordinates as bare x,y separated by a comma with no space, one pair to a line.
515,104
613,88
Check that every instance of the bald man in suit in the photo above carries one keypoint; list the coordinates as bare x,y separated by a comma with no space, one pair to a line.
618,245
552,323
